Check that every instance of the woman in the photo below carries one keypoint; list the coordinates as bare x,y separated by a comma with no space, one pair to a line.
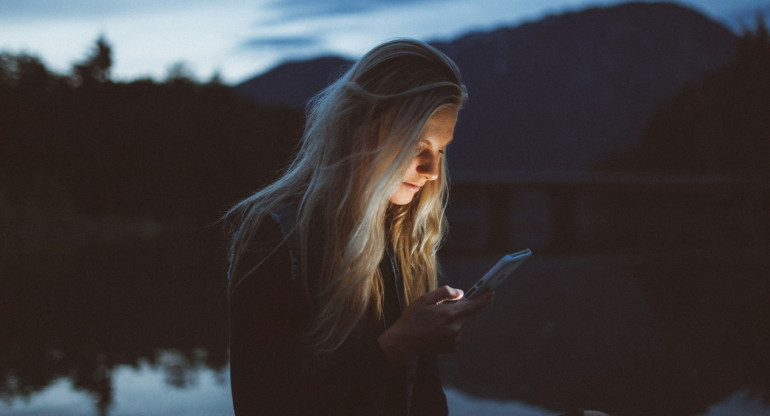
333,275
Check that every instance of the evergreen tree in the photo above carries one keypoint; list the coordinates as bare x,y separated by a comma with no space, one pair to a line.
95,68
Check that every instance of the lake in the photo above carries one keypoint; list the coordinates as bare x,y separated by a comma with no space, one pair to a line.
135,323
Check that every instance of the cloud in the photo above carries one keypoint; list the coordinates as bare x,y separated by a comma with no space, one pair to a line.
282,42
294,9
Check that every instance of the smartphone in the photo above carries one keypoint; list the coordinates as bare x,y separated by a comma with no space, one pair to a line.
498,273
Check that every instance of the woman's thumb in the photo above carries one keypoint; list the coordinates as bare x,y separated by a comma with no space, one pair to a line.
441,294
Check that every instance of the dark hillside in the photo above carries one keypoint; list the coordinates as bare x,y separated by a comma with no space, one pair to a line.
561,93
291,84
555,94
718,125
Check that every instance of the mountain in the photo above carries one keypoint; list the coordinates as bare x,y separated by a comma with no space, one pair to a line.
557,94
718,126
293,83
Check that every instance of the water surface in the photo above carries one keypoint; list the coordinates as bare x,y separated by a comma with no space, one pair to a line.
137,325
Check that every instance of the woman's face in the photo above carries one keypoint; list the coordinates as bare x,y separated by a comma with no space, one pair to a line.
425,165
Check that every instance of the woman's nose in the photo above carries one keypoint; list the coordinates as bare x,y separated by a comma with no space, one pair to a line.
429,167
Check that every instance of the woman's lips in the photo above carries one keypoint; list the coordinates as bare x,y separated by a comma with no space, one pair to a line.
411,187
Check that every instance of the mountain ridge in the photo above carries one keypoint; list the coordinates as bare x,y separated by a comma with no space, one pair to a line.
556,94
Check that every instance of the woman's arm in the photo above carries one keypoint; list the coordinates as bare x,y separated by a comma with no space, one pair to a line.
428,398
271,371
264,321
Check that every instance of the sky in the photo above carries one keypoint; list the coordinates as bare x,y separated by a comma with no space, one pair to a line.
237,39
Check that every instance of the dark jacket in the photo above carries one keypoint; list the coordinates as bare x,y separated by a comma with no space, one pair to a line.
273,373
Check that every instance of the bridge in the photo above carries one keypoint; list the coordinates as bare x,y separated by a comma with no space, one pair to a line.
498,212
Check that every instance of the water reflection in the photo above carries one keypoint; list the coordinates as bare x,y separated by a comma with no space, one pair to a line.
143,390
654,334
138,326
79,311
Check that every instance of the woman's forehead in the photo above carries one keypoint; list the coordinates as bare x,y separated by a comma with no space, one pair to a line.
440,127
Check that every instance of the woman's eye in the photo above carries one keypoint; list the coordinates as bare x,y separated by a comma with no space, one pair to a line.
422,147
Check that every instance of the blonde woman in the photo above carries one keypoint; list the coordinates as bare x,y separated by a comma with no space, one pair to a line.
333,278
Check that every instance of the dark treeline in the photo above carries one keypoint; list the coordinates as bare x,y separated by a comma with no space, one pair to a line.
81,145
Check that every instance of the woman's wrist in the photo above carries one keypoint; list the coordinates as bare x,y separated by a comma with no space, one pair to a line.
394,347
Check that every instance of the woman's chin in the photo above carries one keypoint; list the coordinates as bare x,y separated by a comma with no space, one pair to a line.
402,197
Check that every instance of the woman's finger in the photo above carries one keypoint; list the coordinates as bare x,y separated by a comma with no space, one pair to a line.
471,306
441,294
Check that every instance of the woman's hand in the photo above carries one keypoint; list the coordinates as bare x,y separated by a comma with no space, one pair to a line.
429,326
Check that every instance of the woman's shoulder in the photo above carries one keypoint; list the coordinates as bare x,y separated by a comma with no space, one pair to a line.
262,285
255,244
263,255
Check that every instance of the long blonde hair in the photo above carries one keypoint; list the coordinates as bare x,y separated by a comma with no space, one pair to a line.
361,135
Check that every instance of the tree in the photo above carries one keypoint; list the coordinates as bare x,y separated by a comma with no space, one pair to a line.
95,69
180,72
24,71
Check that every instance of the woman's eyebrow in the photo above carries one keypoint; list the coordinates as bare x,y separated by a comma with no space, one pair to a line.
431,143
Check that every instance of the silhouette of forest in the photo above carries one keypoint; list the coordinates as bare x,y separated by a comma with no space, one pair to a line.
83,145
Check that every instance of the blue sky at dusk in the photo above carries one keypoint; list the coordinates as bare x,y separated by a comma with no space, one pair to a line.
238,38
